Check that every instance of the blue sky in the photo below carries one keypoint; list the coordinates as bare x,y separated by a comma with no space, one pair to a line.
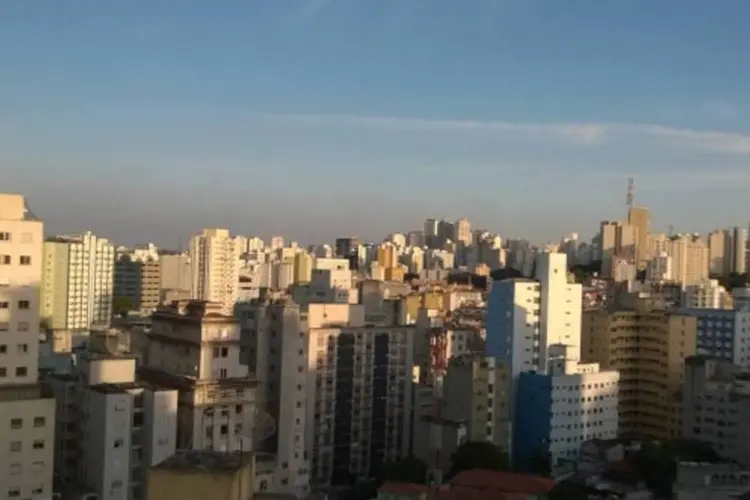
149,119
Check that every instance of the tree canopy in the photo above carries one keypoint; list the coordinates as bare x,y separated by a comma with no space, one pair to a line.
408,470
656,463
478,455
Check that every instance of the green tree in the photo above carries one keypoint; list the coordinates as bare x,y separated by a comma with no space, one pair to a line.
478,455
121,306
568,491
408,470
540,462
656,463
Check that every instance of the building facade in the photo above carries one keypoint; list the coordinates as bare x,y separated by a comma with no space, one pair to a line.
78,282
110,427
26,417
215,262
722,333
648,347
558,411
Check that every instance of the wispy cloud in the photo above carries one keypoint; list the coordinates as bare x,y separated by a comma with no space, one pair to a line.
578,134
721,109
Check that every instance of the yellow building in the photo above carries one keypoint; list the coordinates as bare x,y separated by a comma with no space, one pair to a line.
648,347
198,475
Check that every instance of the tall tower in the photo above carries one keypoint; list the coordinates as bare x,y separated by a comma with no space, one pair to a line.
630,195
27,418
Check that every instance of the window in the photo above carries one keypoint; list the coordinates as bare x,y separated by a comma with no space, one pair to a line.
37,490
39,421
14,469
3,372
15,446
16,423
25,260
224,430
14,493
24,304
3,349
23,348
118,443
4,305
38,444
224,352
217,352
23,326
4,260
223,373
37,466
4,236
21,371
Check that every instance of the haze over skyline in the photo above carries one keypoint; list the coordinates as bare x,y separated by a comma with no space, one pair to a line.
317,119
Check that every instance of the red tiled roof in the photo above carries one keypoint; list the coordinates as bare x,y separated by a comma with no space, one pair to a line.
502,482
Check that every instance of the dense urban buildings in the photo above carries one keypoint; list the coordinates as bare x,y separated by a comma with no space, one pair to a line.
292,370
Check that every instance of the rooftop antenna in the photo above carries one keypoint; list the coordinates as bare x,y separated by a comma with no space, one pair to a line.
630,195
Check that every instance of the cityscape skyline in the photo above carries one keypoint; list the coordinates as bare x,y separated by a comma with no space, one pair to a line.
407,108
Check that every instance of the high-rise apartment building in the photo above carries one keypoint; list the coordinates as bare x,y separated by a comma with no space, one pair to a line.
215,262
477,391
717,261
639,218
525,317
690,258
648,347
716,406
617,240
736,248
26,417
337,383
78,282
558,411
138,279
462,232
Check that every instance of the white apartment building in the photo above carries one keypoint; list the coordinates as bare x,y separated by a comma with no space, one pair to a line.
349,380
708,294
557,412
525,317
110,427
215,262
659,268
195,349
78,282
26,417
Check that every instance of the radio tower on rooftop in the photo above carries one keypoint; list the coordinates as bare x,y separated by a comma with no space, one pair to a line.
630,196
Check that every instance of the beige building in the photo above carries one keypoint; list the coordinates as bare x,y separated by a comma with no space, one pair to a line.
175,274
195,349
78,282
477,390
690,259
26,417
138,279
618,240
215,262
199,475
648,347
717,261
639,218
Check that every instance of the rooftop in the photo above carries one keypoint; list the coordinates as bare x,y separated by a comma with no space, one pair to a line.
502,482
206,461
